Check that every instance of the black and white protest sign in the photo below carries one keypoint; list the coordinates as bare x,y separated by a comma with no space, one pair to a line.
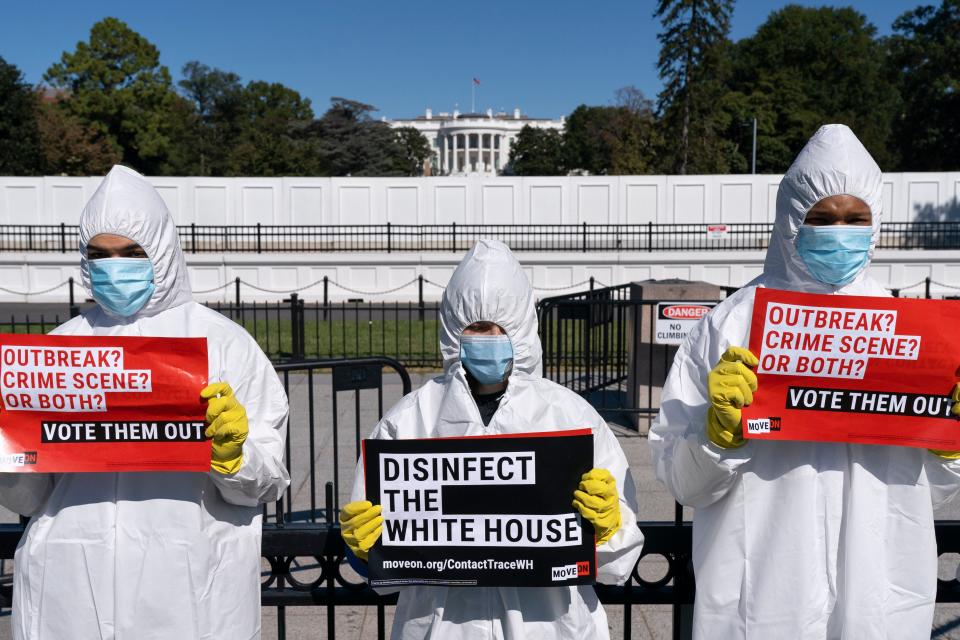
481,511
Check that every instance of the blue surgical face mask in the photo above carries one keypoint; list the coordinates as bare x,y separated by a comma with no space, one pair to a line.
486,358
836,253
121,285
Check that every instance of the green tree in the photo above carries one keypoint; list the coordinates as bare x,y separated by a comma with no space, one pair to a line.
20,152
216,97
269,138
536,152
351,143
925,59
413,151
691,67
584,143
116,83
183,155
636,140
72,147
610,140
805,67
257,129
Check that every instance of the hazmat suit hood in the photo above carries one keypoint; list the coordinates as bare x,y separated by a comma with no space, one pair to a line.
833,162
126,204
490,285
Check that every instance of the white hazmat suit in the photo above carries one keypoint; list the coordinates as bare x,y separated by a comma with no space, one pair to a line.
490,285
144,556
800,539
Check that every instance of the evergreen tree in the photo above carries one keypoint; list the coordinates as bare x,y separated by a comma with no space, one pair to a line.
20,152
805,67
691,70
925,62
115,82
351,143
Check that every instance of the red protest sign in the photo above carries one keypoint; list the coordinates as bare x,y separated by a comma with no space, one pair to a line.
98,403
854,369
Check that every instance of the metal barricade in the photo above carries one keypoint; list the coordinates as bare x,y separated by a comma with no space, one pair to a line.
601,344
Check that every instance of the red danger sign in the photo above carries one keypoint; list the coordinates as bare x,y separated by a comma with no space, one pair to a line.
675,319
717,231
685,311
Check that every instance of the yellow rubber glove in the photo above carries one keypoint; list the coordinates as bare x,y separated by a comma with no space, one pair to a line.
955,396
730,387
227,425
360,526
597,500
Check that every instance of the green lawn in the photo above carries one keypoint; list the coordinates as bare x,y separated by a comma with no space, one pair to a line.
413,342
29,327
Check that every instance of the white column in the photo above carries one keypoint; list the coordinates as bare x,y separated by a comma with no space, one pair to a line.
456,141
480,163
479,152
489,154
444,154
438,149
466,154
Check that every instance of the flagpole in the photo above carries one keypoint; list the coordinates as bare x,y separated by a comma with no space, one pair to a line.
473,96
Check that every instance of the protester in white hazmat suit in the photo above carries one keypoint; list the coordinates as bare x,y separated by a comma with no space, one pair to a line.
142,556
799,539
489,287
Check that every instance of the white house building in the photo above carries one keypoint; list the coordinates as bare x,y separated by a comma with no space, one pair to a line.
472,143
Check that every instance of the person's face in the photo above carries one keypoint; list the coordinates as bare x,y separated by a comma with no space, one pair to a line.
839,210
484,328
107,245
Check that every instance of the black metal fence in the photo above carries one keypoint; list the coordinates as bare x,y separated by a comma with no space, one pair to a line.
334,404
588,336
39,324
455,237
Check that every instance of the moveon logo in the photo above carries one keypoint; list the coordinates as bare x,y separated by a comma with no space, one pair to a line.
763,425
18,459
570,571
566,572
685,311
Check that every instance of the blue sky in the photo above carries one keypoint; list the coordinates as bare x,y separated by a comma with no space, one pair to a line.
545,57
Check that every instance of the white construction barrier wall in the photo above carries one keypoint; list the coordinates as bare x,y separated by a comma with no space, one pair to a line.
470,200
